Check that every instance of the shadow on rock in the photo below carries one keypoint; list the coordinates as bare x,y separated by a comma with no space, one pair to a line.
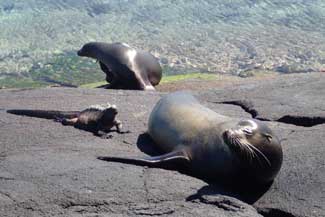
246,192
145,144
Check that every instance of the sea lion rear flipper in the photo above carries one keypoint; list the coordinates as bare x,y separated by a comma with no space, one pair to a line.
178,155
105,86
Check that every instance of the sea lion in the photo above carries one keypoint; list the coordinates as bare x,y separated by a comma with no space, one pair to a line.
125,67
215,147
98,119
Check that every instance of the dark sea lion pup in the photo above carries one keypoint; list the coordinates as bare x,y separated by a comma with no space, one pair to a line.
99,119
214,146
125,67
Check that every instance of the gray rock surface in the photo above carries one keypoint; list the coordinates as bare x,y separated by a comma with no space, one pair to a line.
297,96
47,169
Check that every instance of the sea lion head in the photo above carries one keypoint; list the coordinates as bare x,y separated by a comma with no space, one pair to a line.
256,146
90,49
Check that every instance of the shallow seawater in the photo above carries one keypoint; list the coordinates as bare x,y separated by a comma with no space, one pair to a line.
39,39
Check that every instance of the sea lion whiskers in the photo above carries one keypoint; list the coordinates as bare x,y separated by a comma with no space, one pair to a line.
245,147
258,151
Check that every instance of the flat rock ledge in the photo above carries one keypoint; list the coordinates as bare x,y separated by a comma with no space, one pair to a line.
47,169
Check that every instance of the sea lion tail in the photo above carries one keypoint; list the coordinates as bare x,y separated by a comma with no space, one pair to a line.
47,114
156,161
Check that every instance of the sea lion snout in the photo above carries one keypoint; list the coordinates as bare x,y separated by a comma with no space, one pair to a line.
80,53
228,137
232,132
88,50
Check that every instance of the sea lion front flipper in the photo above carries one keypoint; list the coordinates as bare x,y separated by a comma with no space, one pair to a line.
103,67
156,161
110,76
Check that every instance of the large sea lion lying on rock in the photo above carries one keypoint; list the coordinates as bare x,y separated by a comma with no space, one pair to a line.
125,67
214,146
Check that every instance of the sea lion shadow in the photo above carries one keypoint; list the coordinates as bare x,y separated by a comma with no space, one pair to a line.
248,192
145,144
113,87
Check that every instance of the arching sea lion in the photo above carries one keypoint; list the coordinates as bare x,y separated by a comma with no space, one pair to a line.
216,147
125,67
98,119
